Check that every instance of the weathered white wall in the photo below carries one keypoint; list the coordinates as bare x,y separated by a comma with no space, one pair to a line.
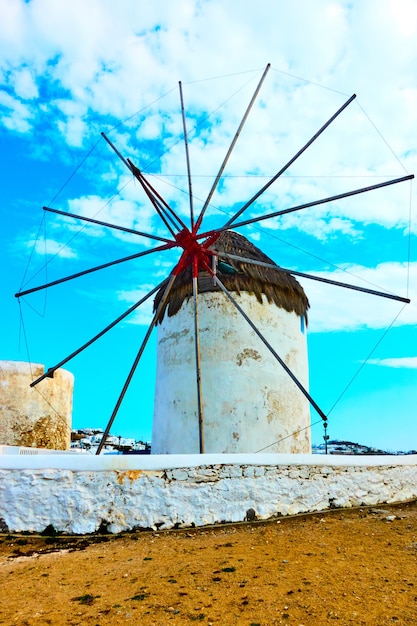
35,416
249,401
77,494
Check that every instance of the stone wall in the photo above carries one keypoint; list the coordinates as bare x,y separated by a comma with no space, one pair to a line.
80,494
35,416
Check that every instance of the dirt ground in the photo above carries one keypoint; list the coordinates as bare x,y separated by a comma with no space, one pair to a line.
339,567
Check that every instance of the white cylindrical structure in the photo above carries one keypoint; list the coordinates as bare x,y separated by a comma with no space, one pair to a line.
249,400
38,416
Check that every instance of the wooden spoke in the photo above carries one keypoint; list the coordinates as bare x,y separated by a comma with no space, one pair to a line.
270,348
51,370
95,269
136,362
230,150
373,292
198,356
187,156
100,223
268,216
290,162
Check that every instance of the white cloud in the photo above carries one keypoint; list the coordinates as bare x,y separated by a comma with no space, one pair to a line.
336,308
73,130
409,362
135,52
404,14
144,313
16,115
24,84
70,121
120,210
51,247
92,77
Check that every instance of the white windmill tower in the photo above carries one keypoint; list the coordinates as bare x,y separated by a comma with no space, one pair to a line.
247,400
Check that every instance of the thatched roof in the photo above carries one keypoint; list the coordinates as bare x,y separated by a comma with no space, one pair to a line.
278,287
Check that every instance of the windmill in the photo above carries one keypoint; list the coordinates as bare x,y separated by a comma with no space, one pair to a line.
208,256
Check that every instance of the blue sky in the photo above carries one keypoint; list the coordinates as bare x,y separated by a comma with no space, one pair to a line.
70,70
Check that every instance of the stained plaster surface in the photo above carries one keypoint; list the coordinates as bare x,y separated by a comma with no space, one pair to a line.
79,494
248,400
35,416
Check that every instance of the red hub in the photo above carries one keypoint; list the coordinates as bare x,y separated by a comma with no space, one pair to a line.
194,253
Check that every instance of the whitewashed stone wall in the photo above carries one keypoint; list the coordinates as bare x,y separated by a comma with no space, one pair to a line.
78,495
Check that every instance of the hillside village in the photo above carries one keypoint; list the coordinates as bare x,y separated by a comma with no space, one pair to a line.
87,440
337,446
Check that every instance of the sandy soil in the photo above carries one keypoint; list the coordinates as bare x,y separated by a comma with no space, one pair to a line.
340,567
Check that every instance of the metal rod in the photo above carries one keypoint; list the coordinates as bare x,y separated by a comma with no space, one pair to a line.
230,150
291,161
328,281
51,370
163,206
121,157
325,437
95,269
156,200
180,224
158,209
347,194
270,348
135,171
187,156
198,357
100,223
135,364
